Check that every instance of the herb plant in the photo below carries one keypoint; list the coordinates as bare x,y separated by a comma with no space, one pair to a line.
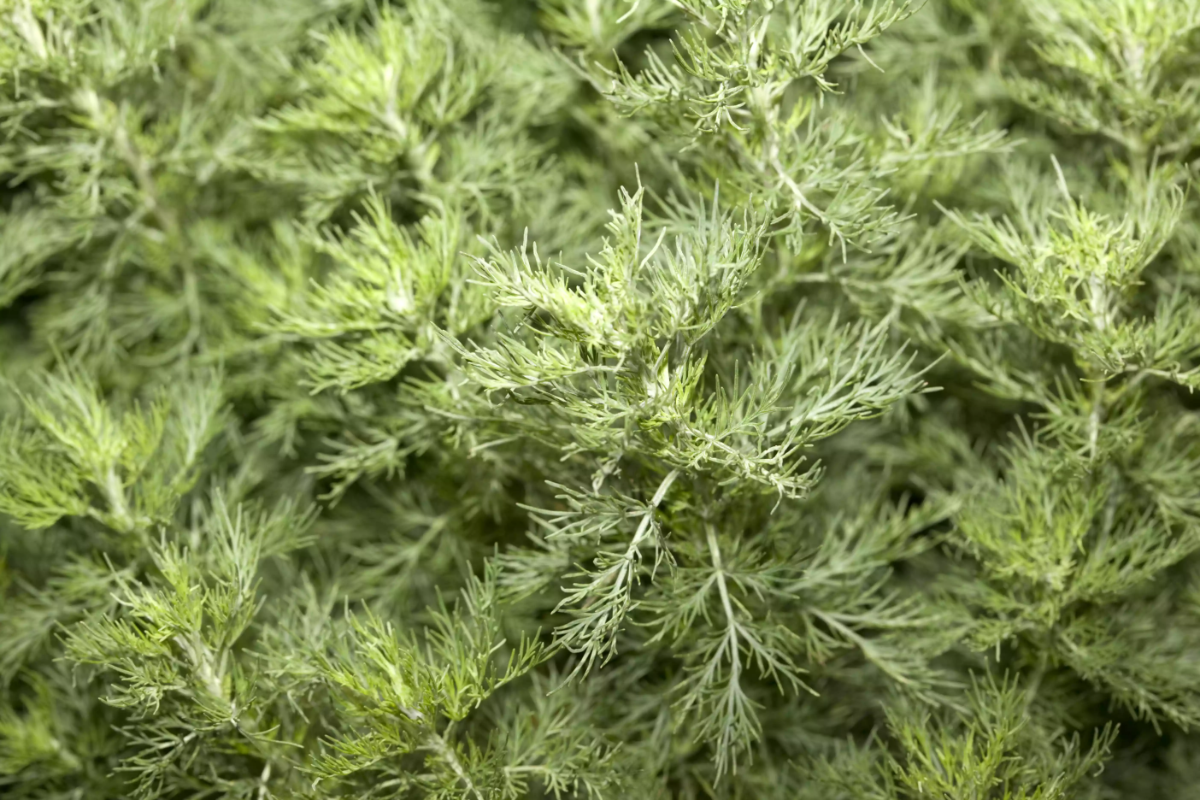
499,399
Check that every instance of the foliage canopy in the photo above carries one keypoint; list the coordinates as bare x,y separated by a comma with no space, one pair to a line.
501,399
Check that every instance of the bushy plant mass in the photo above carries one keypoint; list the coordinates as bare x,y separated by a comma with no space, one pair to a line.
498,399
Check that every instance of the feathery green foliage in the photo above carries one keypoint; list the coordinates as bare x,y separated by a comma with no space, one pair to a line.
503,399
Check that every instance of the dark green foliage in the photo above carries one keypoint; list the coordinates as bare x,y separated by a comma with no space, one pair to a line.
595,398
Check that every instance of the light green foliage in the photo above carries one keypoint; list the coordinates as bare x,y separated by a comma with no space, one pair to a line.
394,689
388,308
599,399
1122,70
423,103
70,445
988,749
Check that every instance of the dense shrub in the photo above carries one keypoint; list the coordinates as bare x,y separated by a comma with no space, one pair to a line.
593,398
